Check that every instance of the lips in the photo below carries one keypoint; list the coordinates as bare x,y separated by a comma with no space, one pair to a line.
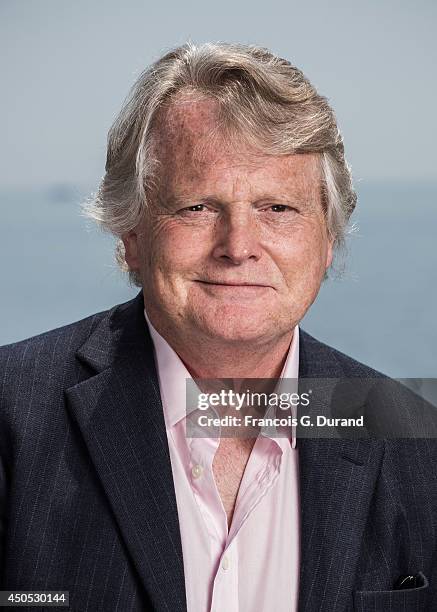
234,291
233,283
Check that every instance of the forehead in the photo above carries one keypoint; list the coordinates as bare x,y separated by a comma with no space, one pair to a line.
196,152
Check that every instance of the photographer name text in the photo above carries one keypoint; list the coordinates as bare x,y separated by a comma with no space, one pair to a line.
288,421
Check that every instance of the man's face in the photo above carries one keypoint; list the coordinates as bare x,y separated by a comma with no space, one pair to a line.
234,246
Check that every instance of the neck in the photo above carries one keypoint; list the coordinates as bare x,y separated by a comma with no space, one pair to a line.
212,358
231,362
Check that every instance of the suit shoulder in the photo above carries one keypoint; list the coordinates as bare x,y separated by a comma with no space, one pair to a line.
35,371
393,411
350,366
51,350
68,337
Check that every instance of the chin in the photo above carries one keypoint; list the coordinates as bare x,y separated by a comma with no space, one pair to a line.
237,325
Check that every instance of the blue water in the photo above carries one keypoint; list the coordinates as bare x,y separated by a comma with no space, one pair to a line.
56,268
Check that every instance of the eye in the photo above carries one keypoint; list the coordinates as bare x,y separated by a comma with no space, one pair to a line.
195,208
280,208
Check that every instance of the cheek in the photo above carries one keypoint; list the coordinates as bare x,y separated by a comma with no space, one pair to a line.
303,258
173,248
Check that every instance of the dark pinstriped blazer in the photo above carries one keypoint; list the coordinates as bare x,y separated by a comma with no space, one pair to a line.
87,502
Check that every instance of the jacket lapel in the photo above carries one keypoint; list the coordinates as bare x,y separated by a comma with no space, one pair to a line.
337,479
119,412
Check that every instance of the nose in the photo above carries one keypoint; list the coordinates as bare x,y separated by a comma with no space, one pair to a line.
237,238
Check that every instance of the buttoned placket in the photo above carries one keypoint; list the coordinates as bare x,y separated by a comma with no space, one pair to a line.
257,480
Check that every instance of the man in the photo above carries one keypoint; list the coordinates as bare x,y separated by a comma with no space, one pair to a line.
227,186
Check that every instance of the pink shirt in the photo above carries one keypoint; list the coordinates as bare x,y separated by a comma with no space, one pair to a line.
256,565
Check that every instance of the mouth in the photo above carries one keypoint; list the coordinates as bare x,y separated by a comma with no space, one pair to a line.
234,290
232,284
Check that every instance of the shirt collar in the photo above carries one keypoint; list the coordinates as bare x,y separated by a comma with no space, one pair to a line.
172,374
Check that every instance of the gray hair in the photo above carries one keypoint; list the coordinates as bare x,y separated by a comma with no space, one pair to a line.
260,96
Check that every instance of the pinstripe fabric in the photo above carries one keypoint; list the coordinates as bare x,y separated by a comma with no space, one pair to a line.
368,509
394,601
87,501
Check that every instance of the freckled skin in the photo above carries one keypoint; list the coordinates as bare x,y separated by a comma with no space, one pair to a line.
226,214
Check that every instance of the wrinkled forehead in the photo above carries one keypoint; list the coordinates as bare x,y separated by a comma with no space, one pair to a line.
193,144
190,127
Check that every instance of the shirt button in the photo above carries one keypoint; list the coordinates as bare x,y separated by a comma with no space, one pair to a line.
197,471
225,563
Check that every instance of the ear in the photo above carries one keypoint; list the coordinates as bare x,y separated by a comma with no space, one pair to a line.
329,254
132,250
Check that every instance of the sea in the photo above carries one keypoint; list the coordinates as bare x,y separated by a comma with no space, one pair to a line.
379,307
